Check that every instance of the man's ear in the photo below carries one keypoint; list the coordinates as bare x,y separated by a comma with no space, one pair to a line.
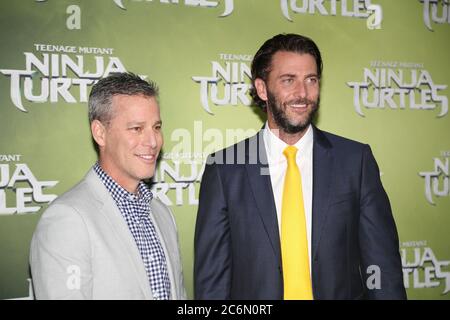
261,89
98,131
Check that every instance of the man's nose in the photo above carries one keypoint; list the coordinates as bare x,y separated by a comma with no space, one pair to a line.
151,139
301,89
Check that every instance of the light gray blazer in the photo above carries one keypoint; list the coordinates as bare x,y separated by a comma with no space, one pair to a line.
83,249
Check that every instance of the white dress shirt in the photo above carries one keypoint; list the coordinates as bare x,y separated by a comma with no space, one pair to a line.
277,168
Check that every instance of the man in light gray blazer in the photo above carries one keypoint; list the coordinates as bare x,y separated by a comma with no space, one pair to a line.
107,238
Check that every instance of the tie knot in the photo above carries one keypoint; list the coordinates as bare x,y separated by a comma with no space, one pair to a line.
290,152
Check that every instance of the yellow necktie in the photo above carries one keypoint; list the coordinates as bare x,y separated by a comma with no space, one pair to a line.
294,241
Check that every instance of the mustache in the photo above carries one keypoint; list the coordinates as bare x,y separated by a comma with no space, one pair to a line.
300,101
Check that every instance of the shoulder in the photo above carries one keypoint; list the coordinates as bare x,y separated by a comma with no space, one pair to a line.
64,223
158,206
338,144
244,152
348,154
340,141
75,204
82,195
162,214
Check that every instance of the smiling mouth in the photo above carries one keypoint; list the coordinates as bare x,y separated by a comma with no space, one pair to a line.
298,105
146,157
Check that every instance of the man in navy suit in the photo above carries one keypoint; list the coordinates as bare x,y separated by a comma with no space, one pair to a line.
352,242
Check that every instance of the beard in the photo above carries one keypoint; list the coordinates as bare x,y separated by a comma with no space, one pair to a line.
280,117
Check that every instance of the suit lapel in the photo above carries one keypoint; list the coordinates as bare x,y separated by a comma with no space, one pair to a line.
154,216
261,186
112,214
322,177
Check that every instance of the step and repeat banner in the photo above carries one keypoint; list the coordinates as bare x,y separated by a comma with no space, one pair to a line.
385,82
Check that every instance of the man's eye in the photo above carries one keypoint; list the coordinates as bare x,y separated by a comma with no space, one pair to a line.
312,80
136,129
287,80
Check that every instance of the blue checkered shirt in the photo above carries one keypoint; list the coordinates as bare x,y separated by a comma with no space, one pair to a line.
136,211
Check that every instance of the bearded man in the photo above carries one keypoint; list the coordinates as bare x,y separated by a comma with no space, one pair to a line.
294,212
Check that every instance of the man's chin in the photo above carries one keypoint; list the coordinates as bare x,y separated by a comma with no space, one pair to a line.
302,123
295,128
147,174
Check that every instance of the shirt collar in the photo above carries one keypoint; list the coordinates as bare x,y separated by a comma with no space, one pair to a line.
275,146
118,193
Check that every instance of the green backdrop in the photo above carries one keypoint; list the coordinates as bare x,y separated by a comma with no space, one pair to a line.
385,82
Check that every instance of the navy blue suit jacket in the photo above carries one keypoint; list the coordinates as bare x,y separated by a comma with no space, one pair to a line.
237,241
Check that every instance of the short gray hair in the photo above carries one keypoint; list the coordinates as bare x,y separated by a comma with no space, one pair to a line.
126,83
